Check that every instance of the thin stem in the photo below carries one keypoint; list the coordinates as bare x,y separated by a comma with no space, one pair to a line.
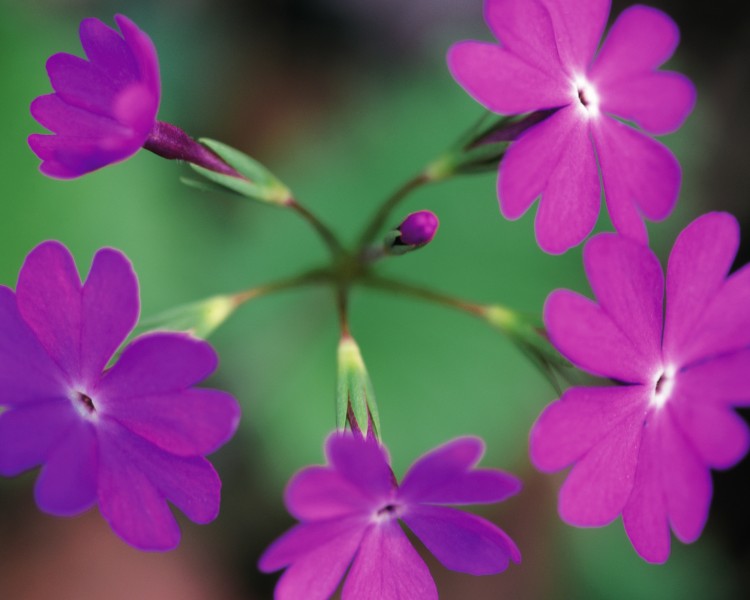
323,230
342,300
308,277
436,297
385,210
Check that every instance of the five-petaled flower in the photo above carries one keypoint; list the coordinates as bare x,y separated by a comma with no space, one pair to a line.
545,60
349,512
103,108
129,437
644,448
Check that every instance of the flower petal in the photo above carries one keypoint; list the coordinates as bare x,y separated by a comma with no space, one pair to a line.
49,299
388,568
568,428
68,157
462,541
642,39
503,82
699,262
144,53
80,84
313,545
718,434
28,433
27,373
600,483
628,282
638,173
588,337
446,475
658,102
322,493
686,482
68,120
525,28
724,326
645,514
570,201
192,422
109,309
67,484
723,379
578,28
155,364
363,463
108,52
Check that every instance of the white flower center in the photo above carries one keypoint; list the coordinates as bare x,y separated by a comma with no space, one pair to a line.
83,404
663,387
587,95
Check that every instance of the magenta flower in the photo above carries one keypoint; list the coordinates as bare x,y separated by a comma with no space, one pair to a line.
418,228
546,60
129,437
103,108
644,449
349,511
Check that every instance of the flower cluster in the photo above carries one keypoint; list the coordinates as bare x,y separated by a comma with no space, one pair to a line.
129,432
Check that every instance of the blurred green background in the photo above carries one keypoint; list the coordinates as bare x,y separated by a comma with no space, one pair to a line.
343,100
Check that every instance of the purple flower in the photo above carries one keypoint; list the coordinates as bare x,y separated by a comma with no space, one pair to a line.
129,437
103,108
644,449
418,228
349,511
545,60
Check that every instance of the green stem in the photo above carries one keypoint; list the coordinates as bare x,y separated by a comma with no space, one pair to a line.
330,239
306,278
385,210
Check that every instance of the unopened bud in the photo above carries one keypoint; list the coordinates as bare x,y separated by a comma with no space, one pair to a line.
416,230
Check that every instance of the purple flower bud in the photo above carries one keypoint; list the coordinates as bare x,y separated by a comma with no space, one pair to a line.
418,228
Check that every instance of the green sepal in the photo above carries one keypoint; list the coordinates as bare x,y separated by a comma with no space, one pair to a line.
354,389
199,319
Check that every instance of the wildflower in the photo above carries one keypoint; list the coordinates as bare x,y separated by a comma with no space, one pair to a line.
546,60
349,511
644,449
129,437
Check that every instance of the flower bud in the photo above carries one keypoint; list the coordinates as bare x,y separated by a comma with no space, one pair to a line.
200,319
416,230
355,397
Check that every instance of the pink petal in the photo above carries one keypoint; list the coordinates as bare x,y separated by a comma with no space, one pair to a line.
719,436
29,433
27,373
645,515
723,380
628,282
658,102
446,475
554,159
388,568
570,201
699,262
363,463
49,299
312,544
503,82
600,483
571,426
67,484
724,325
108,51
322,493
461,541
638,173
686,482
525,28
578,28
642,39
156,364
82,85
109,309
64,119
587,336
144,53
192,422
